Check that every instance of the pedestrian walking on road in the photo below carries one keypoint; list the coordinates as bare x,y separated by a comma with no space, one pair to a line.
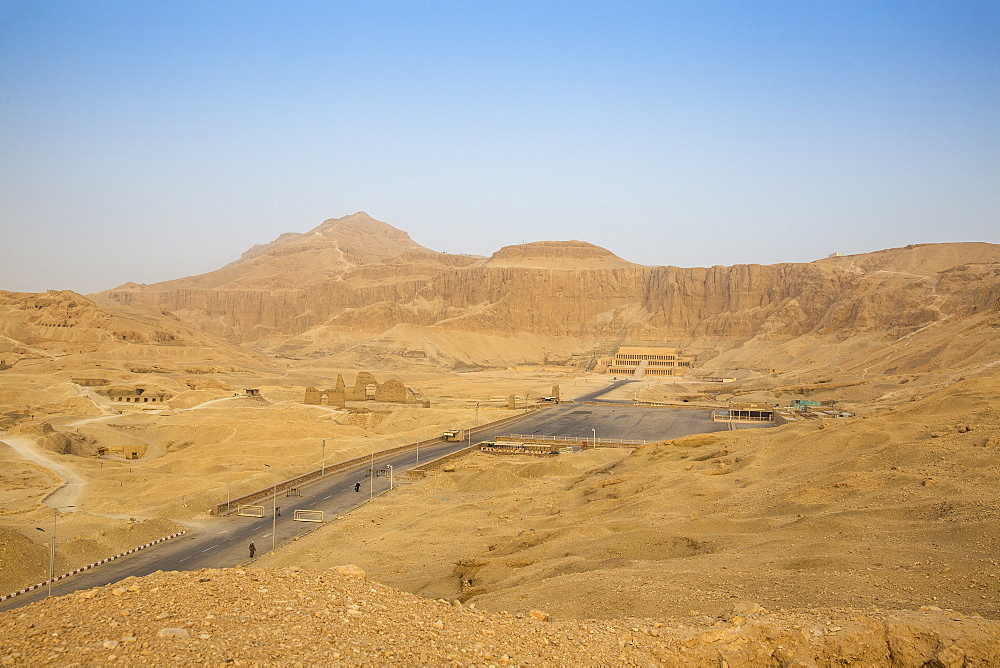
357,487
277,511
253,548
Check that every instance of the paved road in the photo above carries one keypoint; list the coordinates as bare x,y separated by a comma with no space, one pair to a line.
223,542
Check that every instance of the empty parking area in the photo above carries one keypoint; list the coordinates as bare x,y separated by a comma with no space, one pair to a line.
625,422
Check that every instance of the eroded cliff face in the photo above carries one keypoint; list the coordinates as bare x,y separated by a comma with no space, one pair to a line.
379,279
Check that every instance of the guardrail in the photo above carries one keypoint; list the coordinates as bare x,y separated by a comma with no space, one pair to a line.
313,476
575,440
649,404
687,405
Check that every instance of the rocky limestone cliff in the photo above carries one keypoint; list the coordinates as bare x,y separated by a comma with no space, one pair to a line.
356,274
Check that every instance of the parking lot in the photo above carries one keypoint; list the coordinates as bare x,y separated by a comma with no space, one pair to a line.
625,422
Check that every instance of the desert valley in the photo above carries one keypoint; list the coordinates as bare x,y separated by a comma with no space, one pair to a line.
861,526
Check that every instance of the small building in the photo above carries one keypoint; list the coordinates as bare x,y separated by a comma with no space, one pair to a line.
745,411
251,392
454,435
138,395
136,451
751,411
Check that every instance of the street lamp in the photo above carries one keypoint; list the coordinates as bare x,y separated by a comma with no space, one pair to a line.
390,476
229,487
274,501
594,429
477,424
52,550
322,466
371,475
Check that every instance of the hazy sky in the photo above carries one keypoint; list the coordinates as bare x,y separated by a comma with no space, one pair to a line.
143,141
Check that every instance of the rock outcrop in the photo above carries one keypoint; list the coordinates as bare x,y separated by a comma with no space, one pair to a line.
240,617
355,274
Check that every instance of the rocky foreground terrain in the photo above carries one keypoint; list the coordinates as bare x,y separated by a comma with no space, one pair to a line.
336,617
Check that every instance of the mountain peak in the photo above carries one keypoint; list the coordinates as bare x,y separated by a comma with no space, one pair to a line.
557,255
364,239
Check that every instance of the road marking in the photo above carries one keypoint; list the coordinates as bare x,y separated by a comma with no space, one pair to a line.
185,558
210,548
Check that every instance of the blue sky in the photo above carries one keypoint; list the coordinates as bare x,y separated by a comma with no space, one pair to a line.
143,141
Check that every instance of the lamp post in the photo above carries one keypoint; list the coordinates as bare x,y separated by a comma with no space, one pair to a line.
322,466
477,424
371,475
390,476
52,549
594,429
229,488
274,502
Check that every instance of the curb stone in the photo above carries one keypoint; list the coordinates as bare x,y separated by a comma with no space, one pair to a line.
89,566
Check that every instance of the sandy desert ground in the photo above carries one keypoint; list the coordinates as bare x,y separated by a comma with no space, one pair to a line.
891,509
896,509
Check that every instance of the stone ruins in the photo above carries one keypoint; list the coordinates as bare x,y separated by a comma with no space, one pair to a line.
365,388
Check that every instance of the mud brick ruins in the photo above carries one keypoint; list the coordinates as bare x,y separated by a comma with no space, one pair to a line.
365,388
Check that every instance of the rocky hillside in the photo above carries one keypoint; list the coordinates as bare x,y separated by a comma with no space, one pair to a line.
335,617
62,325
360,276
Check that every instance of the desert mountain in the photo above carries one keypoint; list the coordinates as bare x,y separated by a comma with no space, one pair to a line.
354,279
296,261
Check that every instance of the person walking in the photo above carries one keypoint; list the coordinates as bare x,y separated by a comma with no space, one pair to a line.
357,487
253,548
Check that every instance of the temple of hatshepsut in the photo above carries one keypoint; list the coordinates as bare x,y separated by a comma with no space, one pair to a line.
643,361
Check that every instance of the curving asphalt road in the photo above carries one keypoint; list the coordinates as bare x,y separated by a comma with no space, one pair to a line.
224,542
